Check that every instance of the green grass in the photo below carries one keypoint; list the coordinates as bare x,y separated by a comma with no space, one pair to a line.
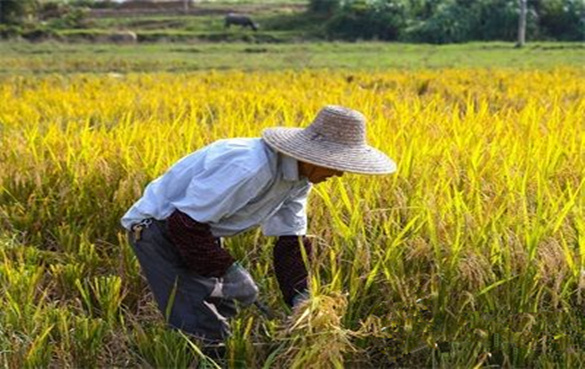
52,57
211,19
204,22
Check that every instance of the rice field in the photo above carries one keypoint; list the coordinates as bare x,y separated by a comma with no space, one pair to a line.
471,255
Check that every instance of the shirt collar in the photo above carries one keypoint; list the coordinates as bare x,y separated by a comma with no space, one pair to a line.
289,168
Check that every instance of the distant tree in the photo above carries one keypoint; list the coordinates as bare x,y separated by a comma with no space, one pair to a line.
562,19
324,6
368,19
498,20
451,21
422,9
522,23
186,5
17,11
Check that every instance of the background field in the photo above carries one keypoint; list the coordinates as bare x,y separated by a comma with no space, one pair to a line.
52,57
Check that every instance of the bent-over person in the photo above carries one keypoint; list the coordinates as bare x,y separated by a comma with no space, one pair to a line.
230,186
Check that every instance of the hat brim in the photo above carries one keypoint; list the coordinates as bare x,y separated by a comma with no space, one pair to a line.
362,159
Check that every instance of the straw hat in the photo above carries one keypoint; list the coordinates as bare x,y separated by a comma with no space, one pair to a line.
336,139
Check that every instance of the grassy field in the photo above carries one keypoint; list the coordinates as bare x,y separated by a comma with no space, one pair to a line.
202,22
471,255
51,57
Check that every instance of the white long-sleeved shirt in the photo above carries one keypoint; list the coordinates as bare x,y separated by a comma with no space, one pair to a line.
232,185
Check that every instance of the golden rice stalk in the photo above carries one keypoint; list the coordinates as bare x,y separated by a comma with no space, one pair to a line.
314,336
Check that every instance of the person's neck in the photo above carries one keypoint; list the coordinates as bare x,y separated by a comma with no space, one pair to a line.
304,169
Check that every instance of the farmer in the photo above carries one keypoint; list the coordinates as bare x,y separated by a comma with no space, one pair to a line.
228,187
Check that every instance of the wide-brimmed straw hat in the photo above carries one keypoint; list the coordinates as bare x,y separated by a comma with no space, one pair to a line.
336,139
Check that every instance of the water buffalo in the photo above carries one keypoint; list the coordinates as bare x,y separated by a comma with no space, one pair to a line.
240,20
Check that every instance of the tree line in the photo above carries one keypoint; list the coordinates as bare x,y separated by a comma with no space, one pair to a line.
451,21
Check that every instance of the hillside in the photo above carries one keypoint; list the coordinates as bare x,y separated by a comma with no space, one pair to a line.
164,22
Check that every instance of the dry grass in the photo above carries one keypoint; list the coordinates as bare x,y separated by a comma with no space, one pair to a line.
314,336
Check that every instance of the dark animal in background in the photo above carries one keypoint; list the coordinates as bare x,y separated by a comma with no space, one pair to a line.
240,20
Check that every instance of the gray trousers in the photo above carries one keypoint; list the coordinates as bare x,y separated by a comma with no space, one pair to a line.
181,295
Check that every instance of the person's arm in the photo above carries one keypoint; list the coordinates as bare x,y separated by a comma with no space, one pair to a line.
203,254
289,223
289,266
199,249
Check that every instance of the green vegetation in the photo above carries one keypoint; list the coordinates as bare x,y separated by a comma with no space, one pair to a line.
449,21
53,57
16,11
279,22
421,21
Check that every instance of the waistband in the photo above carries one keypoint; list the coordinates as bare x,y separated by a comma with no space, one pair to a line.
144,223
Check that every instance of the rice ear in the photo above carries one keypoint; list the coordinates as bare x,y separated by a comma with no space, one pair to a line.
314,336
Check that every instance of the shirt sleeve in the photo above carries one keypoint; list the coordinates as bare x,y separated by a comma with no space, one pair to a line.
220,190
289,266
199,250
291,218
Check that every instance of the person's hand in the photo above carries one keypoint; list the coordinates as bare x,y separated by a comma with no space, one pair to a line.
237,284
300,298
